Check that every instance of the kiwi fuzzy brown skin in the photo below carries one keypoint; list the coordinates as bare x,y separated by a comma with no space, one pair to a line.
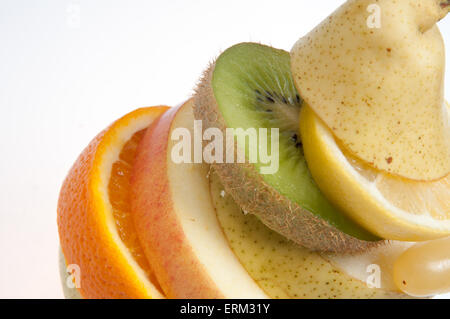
247,187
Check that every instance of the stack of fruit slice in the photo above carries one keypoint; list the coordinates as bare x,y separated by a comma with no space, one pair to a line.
330,212
197,241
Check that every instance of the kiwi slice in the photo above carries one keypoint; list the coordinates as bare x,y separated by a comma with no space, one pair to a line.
250,86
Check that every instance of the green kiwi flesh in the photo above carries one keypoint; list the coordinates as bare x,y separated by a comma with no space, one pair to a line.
250,86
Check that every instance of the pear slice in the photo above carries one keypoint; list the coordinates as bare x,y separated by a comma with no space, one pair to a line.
379,87
286,270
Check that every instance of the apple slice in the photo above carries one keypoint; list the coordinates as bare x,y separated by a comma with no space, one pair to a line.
176,221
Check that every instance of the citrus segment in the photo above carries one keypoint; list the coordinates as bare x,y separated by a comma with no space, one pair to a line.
119,193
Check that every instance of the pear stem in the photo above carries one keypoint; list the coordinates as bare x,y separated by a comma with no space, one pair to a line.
442,8
445,6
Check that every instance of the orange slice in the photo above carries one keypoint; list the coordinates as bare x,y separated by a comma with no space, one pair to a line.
95,227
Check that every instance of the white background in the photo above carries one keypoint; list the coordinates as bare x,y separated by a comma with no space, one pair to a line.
65,77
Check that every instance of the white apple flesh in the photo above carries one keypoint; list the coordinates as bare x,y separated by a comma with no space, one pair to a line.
176,221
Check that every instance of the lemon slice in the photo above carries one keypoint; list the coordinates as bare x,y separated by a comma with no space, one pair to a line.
389,206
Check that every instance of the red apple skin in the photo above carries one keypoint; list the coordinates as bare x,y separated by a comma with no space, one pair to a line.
159,229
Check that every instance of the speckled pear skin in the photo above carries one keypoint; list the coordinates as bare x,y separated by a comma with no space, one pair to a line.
381,90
